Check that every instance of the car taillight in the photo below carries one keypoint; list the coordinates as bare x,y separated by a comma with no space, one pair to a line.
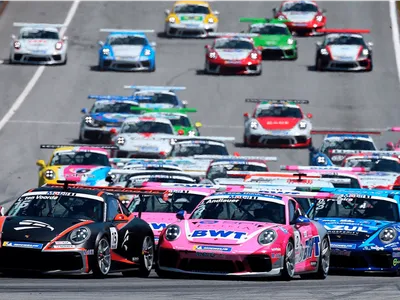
59,45
17,45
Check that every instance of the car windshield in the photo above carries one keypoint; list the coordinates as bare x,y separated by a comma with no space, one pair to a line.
378,164
147,127
300,7
133,180
115,107
353,184
180,121
240,209
40,34
191,148
233,44
127,40
178,201
346,144
270,29
83,158
191,9
221,170
345,40
279,111
356,207
56,206
158,98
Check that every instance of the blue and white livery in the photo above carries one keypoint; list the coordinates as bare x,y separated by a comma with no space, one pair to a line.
158,96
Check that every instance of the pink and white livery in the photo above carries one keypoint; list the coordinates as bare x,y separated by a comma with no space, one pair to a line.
249,234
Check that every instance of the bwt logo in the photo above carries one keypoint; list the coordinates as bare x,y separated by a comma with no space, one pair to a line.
233,235
158,226
30,224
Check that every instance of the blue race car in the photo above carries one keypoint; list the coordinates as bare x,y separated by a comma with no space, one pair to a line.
326,156
158,96
106,114
364,228
127,50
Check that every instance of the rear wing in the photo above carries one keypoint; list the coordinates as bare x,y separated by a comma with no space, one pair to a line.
127,30
232,34
165,110
343,30
363,192
262,20
55,146
276,101
213,157
154,88
212,138
112,97
367,131
146,172
377,153
41,25
323,168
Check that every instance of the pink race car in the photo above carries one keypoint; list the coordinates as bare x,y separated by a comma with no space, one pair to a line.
249,234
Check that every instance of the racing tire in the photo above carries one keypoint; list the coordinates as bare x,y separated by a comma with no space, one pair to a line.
294,58
289,262
318,65
100,262
323,264
152,69
65,61
10,62
245,144
259,73
146,259
372,67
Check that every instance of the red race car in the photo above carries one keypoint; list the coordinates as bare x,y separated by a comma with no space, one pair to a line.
303,17
233,53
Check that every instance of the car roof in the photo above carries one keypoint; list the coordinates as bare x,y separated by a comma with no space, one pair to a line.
166,115
202,3
339,136
128,33
36,28
250,195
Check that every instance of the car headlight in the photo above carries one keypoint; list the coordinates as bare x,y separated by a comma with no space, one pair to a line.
321,160
106,52
324,52
388,235
303,125
365,52
171,20
210,20
290,41
79,235
49,174
267,237
88,120
172,232
120,140
254,125
253,55
192,133
147,52
212,55
281,18
319,18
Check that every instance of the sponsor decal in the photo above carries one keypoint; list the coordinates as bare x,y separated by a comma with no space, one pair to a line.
313,264
377,248
209,222
63,246
276,249
114,238
89,252
62,243
225,234
397,227
340,252
396,254
276,255
283,229
210,254
23,245
212,248
345,229
30,224
135,259
305,234
396,262
310,245
158,226
343,246
61,193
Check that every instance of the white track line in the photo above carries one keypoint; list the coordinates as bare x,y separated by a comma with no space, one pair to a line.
18,102
395,34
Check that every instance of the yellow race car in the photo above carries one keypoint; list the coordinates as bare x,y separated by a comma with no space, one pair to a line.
87,165
192,19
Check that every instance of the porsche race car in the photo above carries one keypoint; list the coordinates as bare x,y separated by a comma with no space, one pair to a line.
157,96
233,53
127,50
277,123
39,44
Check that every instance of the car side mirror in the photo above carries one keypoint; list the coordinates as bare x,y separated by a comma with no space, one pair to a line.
100,43
309,116
274,10
167,12
236,154
180,215
121,218
370,44
109,178
198,124
41,163
302,221
2,212
65,38
246,115
207,46
153,44
319,44
13,36
216,12
84,111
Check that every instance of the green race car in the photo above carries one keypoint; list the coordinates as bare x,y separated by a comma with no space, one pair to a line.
275,39
178,117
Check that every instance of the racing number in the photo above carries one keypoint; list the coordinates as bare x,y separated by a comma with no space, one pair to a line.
114,238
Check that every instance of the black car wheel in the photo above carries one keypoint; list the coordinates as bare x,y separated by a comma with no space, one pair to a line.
146,259
101,263
289,262
318,64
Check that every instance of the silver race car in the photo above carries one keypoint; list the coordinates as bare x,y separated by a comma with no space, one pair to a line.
144,137
39,44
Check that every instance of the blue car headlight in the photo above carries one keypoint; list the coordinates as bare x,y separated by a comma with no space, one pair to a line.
147,52
388,235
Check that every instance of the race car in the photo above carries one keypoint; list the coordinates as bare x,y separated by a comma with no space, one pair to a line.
86,164
157,96
39,44
75,229
390,146
191,19
344,50
233,53
363,226
277,123
178,117
143,137
245,234
127,50
330,152
107,113
303,17
274,40
379,161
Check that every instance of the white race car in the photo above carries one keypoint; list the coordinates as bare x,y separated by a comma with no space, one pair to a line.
157,96
38,44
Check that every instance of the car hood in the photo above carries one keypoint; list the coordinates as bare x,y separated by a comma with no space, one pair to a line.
110,117
158,221
233,54
83,174
223,232
39,45
191,18
344,52
35,229
269,123
126,51
271,40
299,16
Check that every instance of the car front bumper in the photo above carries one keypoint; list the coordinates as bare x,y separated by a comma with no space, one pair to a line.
37,59
234,69
127,65
190,31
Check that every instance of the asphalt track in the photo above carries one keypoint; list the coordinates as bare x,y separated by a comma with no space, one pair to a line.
51,112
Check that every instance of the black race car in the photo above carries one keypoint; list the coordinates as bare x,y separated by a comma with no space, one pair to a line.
67,227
